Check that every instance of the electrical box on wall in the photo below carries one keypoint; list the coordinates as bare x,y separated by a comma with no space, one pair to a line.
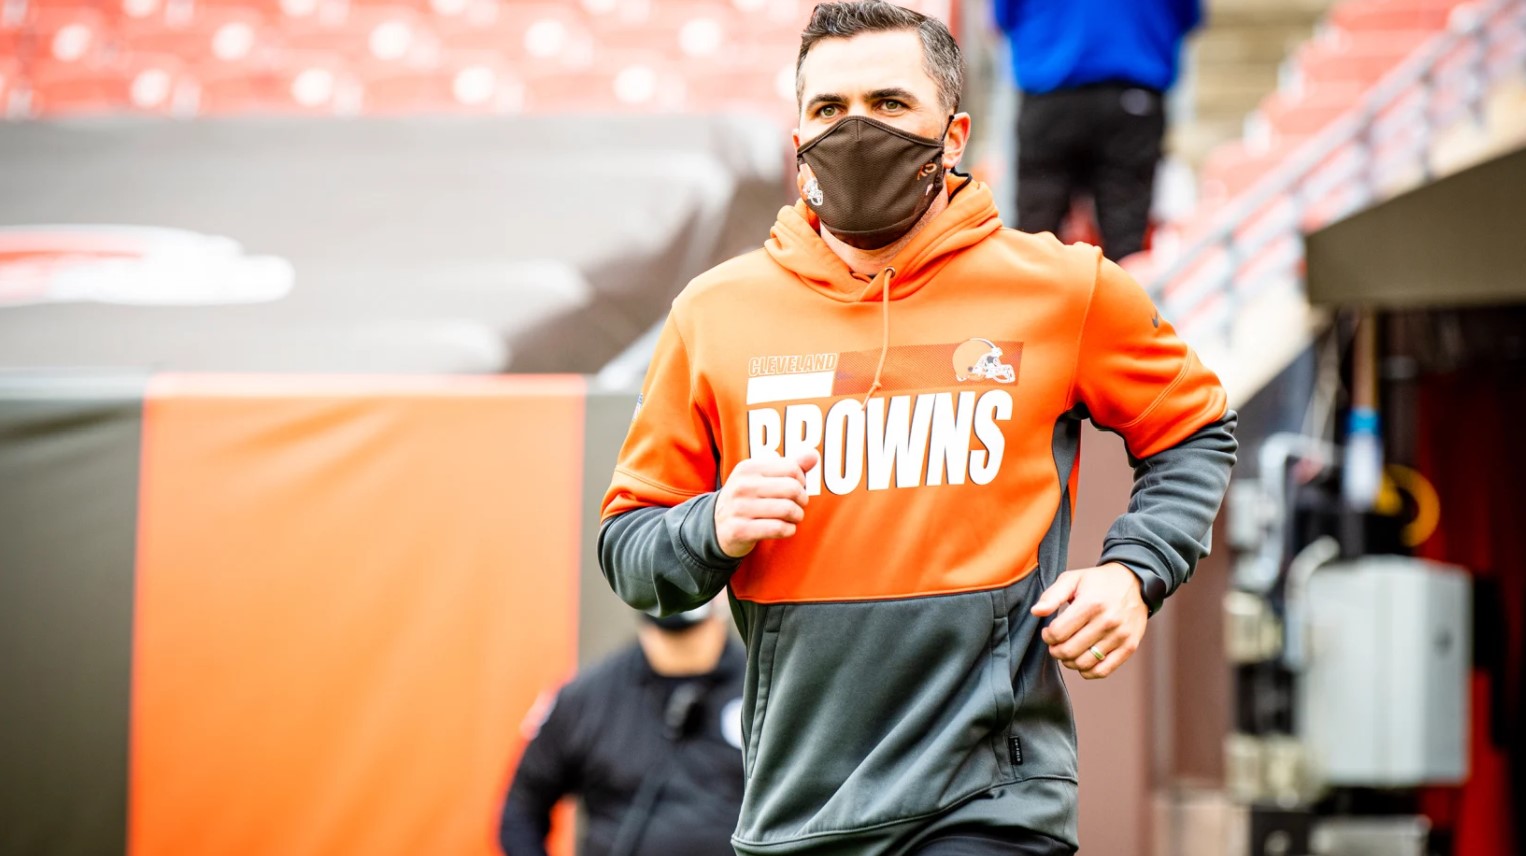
1384,699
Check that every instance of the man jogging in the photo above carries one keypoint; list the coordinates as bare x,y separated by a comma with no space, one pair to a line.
867,431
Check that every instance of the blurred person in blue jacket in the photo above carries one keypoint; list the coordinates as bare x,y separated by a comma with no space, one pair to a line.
650,740
1093,76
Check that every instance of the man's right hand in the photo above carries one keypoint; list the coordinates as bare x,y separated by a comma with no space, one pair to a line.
764,498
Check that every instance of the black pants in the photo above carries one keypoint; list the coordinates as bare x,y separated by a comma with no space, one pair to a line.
1104,140
984,843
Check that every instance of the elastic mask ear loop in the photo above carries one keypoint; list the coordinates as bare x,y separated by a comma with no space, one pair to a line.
954,170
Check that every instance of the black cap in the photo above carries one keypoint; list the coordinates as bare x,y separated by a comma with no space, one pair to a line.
679,621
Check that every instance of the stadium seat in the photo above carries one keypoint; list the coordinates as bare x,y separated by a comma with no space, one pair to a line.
276,11
372,34
312,85
1289,115
28,12
775,17
12,41
11,87
1236,166
143,84
162,12
631,83
75,35
452,55
229,37
463,85
158,84
541,34
1343,57
1370,15
677,29
445,13
767,90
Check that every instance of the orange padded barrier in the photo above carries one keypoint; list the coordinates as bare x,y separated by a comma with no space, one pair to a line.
350,591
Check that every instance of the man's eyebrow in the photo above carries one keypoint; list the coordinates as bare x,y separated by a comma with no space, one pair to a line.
895,93
825,98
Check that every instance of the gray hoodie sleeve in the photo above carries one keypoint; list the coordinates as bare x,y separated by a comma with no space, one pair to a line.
667,558
1176,497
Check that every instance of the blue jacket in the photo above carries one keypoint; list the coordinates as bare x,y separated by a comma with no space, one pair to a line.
1058,44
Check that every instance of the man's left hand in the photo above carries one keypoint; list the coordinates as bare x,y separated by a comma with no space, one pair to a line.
1106,612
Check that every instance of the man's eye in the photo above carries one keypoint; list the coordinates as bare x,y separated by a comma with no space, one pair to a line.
892,105
827,112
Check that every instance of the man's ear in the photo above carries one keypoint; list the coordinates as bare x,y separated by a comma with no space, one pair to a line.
955,140
794,138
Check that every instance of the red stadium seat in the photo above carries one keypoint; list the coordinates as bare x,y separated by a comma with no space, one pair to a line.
538,34
767,90
1288,115
774,19
141,84
1354,15
162,12
232,38
682,30
643,83
33,10
69,35
462,86
1354,57
397,56
42,19
380,34
158,84
459,13
12,88
314,85
278,11
1235,167
12,42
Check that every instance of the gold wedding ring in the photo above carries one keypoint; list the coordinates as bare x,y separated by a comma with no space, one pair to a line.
1098,654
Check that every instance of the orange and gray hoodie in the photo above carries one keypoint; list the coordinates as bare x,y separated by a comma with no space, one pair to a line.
896,682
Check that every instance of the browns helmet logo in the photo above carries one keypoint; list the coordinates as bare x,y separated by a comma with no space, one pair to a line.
980,359
813,193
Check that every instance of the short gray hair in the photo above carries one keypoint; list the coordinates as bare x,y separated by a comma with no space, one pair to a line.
940,53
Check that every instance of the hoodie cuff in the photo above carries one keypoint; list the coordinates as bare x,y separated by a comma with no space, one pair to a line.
697,535
1141,560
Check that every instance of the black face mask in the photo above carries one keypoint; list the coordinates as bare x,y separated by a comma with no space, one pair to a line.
871,182
681,621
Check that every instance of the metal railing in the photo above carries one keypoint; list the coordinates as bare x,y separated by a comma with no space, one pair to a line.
1254,243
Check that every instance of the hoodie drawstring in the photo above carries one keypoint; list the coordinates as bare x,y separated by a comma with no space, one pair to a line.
885,276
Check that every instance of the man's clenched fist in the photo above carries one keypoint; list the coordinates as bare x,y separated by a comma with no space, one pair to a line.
764,498
1104,620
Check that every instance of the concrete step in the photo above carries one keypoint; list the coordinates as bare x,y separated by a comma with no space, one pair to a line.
1226,12
1233,63
1192,141
1264,44
1225,90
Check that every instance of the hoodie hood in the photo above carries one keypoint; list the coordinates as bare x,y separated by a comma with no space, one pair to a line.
795,243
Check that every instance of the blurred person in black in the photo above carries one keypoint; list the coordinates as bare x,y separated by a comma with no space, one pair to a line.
650,740
1093,76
